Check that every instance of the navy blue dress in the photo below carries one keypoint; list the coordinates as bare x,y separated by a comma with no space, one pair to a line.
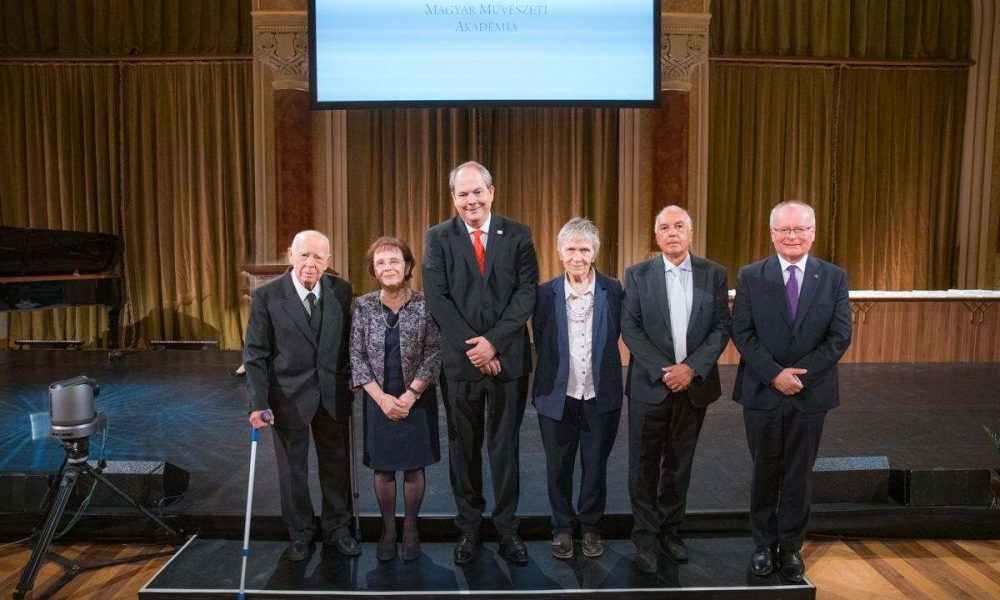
410,443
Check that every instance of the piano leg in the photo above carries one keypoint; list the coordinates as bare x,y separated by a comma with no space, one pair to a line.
114,322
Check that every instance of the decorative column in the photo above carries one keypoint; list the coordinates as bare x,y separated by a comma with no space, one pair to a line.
299,154
663,152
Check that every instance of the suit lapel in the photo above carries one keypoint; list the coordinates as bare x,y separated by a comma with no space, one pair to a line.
493,244
462,243
658,283
295,309
332,320
810,282
776,286
562,325
699,277
599,331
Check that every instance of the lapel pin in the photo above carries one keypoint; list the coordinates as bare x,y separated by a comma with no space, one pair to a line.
499,231
815,275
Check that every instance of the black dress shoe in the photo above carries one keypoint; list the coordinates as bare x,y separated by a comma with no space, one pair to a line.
297,551
347,545
673,546
646,560
513,549
762,562
466,549
792,567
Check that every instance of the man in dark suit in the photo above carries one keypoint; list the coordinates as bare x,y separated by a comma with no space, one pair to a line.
296,358
675,322
480,274
791,324
578,385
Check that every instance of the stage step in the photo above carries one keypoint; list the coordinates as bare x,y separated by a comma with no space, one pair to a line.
210,568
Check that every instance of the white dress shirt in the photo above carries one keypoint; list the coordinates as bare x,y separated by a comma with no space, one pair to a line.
684,271
485,228
303,292
801,269
581,341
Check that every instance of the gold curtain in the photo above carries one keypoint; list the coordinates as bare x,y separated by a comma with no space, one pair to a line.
59,170
770,138
188,198
157,153
899,155
548,165
842,28
124,27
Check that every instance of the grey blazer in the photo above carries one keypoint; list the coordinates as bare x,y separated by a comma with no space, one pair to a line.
419,341
647,333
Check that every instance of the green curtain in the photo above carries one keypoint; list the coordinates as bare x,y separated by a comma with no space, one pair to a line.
548,165
59,170
124,27
770,139
890,29
188,189
899,155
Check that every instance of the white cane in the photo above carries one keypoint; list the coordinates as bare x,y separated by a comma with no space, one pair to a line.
267,416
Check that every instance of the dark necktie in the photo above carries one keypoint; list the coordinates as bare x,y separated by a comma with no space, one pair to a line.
477,245
311,299
792,289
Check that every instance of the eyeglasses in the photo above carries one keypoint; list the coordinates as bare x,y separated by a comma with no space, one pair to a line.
392,262
787,231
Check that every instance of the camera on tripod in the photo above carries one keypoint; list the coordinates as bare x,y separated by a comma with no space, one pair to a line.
72,416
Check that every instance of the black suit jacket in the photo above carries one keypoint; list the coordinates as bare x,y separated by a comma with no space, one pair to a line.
287,370
648,335
769,340
496,305
551,331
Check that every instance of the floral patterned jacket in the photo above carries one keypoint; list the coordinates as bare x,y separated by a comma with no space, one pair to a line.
419,341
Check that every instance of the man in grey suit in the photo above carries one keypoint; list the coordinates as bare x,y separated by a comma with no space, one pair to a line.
480,275
791,324
296,359
675,322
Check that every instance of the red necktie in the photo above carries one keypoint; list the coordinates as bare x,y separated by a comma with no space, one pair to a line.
477,245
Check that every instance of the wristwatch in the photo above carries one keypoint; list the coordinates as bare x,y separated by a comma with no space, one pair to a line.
415,393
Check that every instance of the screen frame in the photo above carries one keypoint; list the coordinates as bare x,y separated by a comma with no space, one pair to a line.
316,104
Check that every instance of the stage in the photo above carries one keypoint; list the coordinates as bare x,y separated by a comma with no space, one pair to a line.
186,408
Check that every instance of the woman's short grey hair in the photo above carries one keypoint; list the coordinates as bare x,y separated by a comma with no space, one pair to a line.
579,228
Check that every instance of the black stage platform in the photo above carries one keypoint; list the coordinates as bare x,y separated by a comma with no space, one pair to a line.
211,569
186,408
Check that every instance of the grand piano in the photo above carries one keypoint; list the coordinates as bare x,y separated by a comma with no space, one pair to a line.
49,268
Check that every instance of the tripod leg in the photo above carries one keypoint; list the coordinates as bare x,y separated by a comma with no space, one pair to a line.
114,488
66,483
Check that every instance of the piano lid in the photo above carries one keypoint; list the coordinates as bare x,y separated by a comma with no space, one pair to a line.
25,252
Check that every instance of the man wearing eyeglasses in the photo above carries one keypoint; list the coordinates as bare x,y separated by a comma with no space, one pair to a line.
480,275
791,325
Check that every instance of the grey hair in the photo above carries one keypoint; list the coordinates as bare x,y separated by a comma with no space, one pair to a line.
687,217
579,228
483,172
301,236
789,203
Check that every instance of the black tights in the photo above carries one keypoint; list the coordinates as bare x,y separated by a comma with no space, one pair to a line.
413,496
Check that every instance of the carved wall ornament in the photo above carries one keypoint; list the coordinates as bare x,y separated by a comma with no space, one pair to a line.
285,52
683,46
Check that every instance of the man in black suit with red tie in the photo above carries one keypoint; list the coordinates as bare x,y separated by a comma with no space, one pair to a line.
791,325
479,274
297,367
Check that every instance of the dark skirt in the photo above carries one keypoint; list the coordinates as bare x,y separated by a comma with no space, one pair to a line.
410,443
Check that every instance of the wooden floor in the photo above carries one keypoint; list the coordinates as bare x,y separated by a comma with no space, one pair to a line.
841,570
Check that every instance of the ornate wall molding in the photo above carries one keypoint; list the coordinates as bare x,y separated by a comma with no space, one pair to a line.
284,49
683,46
